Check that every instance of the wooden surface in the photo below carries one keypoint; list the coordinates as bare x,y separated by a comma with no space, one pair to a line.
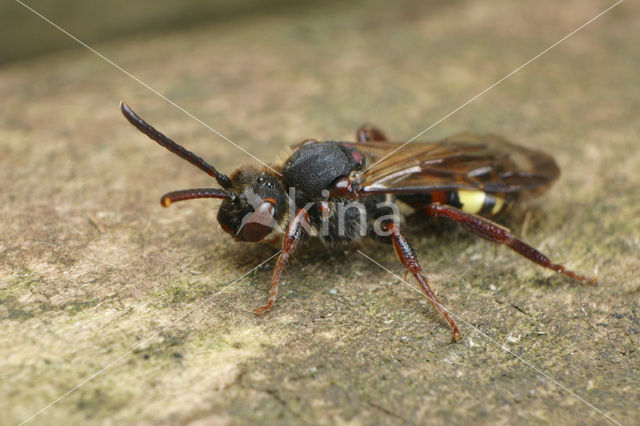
94,273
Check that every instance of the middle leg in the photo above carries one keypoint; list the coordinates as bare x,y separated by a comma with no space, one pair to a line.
367,133
410,261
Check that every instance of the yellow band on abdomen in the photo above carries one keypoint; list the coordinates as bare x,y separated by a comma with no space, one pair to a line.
472,201
479,202
497,207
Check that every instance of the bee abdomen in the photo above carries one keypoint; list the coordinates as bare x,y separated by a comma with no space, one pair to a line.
478,202
481,203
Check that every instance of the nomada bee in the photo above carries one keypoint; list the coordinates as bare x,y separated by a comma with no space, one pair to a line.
341,192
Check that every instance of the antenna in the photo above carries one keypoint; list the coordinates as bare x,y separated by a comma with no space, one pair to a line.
190,194
172,146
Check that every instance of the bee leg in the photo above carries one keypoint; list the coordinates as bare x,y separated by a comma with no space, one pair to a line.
493,232
299,224
368,132
408,258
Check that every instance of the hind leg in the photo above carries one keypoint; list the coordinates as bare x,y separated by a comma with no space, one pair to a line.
493,232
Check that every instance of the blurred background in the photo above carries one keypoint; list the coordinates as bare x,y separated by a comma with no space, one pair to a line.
22,37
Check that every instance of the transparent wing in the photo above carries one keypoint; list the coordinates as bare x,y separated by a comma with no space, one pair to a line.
486,162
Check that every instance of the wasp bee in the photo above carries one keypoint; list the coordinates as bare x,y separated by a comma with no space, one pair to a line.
341,192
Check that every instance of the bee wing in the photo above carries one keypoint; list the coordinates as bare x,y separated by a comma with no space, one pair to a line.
485,162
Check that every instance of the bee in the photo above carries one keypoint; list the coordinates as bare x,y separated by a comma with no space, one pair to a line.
342,192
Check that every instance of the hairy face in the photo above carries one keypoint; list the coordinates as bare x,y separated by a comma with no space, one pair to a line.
259,205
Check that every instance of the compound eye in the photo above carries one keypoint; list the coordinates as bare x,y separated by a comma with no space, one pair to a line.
259,224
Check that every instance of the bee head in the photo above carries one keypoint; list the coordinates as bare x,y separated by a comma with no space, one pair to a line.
257,204
254,203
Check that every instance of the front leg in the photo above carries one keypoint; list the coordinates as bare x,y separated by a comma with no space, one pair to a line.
299,224
410,261
498,234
